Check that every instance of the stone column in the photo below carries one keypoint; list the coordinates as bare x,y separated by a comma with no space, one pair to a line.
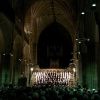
79,65
3,68
34,47
11,69
91,66
97,56
98,63
0,69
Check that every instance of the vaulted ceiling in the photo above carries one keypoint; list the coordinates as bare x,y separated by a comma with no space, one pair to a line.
38,14
35,15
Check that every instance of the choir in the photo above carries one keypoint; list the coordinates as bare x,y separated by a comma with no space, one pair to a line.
53,77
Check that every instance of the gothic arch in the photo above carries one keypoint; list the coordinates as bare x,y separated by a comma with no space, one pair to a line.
17,55
54,46
39,15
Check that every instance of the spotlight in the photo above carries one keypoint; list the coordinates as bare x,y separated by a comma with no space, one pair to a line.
31,69
74,70
82,13
93,5
76,39
88,40
79,42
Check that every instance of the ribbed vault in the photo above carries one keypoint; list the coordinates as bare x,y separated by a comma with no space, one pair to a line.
40,15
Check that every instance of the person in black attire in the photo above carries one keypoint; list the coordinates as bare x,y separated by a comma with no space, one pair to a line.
22,81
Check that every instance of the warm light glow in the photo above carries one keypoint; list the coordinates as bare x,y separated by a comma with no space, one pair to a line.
74,70
76,39
79,53
27,31
31,69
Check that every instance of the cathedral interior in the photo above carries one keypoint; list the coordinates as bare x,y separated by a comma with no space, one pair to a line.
50,35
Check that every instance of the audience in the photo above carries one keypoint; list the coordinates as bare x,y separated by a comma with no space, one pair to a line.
47,92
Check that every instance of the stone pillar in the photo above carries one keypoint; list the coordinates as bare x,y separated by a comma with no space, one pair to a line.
34,47
98,64
3,68
91,68
88,50
77,61
79,65
0,69
11,69
97,56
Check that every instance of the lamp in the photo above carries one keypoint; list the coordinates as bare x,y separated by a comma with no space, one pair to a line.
74,70
94,5
82,13
31,69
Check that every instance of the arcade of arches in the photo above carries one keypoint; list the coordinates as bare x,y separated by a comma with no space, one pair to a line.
50,41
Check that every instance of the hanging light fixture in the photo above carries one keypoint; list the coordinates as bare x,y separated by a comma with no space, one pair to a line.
79,42
94,5
76,39
83,13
